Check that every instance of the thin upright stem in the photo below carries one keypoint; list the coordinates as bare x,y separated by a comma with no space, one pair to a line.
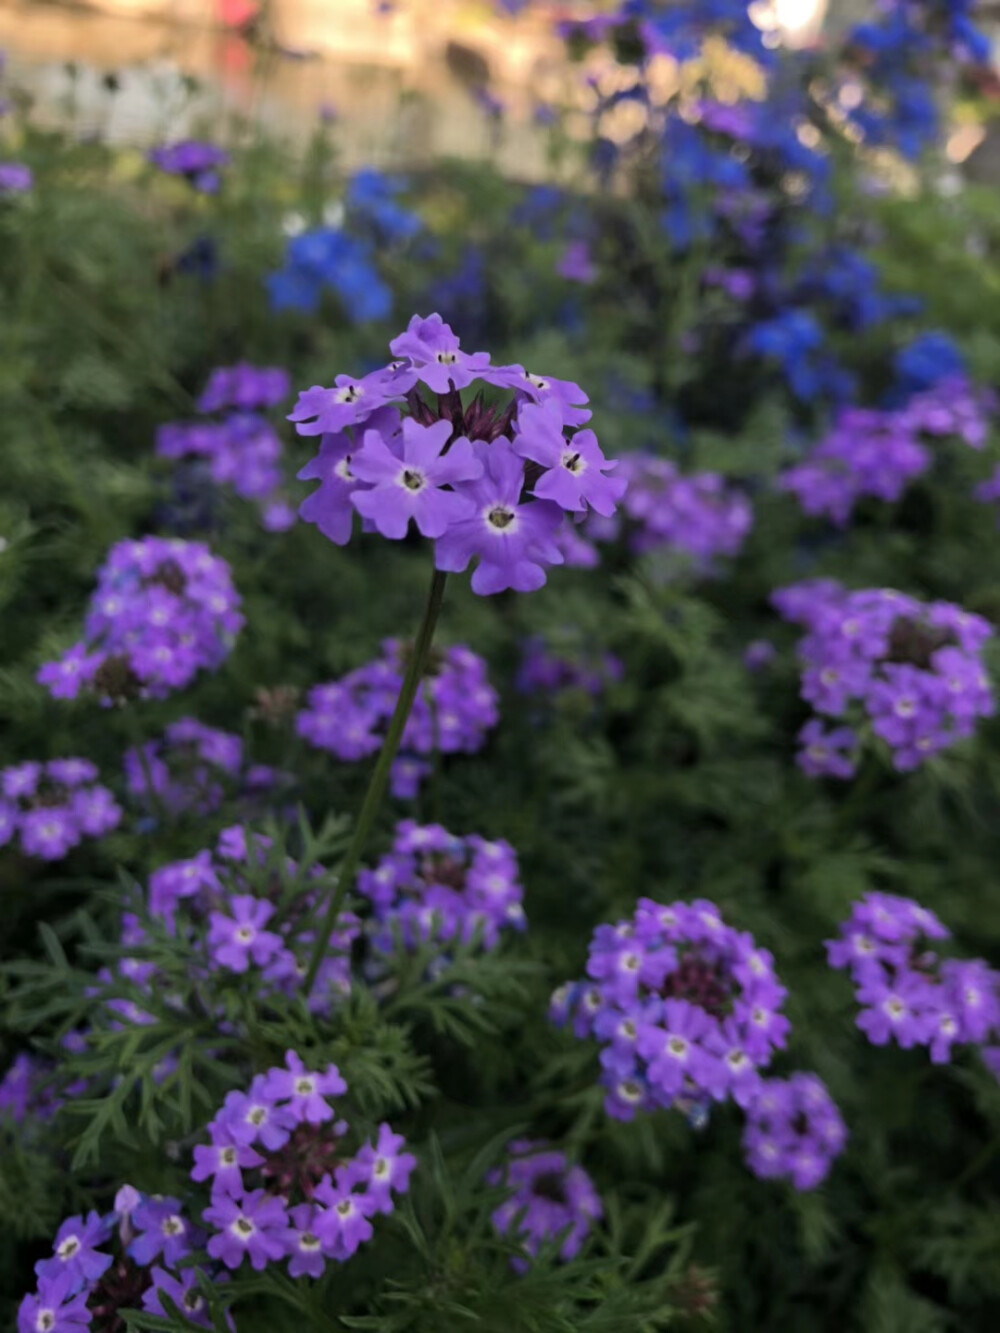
380,777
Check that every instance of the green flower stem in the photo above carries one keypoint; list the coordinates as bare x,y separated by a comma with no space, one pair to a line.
380,777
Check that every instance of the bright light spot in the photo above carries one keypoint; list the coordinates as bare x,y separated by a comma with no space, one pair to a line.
964,142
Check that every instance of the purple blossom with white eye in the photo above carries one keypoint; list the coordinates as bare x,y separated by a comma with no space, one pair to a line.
907,994
383,1167
794,1131
239,938
912,671
343,1226
409,482
215,888
454,465
164,610
223,1162
305,1091
548,1196
75,1251
688,1010
513,541
454,708
575,476
323,1197
59,1306
433,885
162,1232
253,1228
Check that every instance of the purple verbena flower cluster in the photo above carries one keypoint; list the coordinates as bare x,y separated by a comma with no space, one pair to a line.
988,492
241,449
24,1096
52,807
435,886
164,610
549,1199
914,670
700,516
197,162
794,1131
876,453
454,708
283,1187
486,481
907,994
191,768
84,1286
235,910
687,1009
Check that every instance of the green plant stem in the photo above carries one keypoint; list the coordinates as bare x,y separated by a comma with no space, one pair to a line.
380,776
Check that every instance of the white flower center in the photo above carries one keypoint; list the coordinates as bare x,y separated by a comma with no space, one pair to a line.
630,1091
677,1046
343,469
413,479
305,1086
350,393
243,1228
501,517
68,1248
46,1321
381,1167
173,1226
574,462
346,1207
905,708
245,934
227,1157
446,358
258,1115
309,1242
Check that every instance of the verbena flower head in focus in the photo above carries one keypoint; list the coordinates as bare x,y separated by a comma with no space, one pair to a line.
549,1198
196,162
909,995
125,1260
488,481
794,1131
687,1009
52,807
284,1187
910,672
434,886
455,707
164,610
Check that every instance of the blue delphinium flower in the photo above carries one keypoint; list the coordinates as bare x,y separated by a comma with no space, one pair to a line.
328,257
371,196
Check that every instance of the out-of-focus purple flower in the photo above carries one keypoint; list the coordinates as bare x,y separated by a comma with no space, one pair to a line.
433,885
454,708
15,178
794,1131
164,609
54,806
548,1197
913,670
575,263
199,163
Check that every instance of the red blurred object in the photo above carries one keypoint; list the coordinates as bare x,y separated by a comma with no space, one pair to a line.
237,13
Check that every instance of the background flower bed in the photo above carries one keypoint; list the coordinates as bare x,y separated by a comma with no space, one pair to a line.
676,780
